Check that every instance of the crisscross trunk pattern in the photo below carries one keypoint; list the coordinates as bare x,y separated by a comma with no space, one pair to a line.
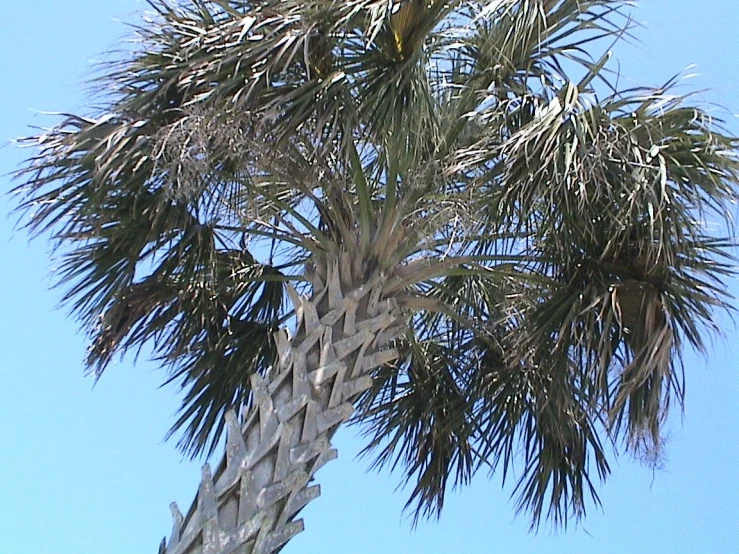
248,505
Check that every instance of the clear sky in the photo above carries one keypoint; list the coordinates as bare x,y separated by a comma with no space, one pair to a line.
86,471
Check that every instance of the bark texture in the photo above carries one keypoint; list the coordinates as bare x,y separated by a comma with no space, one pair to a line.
248,505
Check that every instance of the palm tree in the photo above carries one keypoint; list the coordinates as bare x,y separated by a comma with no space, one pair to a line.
489,254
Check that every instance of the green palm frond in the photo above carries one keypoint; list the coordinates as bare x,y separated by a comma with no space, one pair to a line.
417,418
147,264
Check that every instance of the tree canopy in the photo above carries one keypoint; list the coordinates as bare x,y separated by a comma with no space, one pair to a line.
561,240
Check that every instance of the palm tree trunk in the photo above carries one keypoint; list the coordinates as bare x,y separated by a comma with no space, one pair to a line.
249,504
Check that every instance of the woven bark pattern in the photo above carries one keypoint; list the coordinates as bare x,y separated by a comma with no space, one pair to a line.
249,504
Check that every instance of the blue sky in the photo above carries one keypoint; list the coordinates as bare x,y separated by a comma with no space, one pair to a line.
86,470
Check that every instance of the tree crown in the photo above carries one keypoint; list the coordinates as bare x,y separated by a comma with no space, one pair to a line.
548,230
